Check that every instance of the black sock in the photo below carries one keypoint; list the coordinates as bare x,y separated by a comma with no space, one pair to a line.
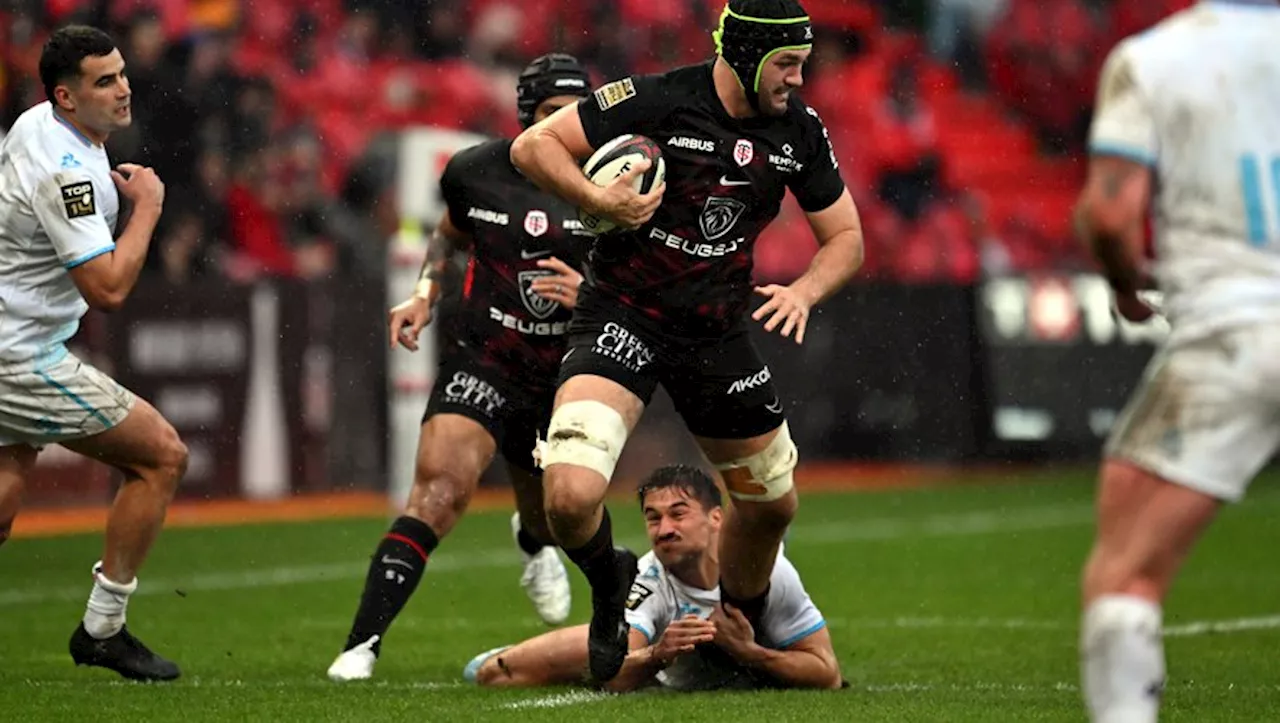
597,559
752,609
528,542
394,572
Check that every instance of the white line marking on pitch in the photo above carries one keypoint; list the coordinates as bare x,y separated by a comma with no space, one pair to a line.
1182,630
1209,627
890,528
559,700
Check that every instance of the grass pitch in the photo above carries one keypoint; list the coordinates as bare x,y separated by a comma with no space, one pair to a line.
945,604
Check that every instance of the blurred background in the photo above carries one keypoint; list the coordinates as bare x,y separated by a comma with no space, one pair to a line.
977,332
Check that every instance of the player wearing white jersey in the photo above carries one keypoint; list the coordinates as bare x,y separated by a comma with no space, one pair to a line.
59,206
681,636
1195,104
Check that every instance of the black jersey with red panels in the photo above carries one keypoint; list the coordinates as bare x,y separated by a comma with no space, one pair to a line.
689,267
512,224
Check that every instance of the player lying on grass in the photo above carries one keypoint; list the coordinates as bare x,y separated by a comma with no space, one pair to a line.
681,636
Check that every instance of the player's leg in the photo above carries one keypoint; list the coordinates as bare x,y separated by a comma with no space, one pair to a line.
758,476
558,657
148,451
1199,429
16,461
607,378
734,411
91,414
544,577
453,451
589,427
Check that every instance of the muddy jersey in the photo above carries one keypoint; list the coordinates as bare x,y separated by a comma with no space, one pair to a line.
689,267
512,225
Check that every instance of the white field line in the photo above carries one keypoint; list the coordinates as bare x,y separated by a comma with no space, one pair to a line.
912,623
1182,630
1210,627
892,528
558,700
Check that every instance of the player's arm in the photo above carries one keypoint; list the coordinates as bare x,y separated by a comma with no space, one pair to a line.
444,242
809,662
839,233
833,217
407,319
550,152
645,660
1110,213
642,664
103,269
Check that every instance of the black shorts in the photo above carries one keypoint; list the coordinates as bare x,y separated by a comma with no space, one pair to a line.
721,387
513,410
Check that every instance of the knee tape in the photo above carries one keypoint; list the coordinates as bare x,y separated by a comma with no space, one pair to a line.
587,434
766,475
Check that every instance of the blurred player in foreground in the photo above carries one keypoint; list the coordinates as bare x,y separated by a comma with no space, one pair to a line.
1206,125
498,366
681,636
59,203
667,298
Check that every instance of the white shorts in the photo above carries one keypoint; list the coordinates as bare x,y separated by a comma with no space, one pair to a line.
1207,413
58,401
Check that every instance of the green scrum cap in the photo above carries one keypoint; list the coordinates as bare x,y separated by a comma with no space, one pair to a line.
752,31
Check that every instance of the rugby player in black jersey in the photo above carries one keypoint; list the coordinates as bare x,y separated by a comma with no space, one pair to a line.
664,301
499,358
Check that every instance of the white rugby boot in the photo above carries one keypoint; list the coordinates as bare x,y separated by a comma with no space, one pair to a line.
545,580
355,664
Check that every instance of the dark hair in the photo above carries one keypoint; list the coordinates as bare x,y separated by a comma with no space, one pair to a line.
65,49
694,482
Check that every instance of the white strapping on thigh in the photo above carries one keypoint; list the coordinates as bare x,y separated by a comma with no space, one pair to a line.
585,433
766,475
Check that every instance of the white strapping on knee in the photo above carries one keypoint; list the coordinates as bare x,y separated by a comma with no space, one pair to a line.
584,433
1122,659
766,475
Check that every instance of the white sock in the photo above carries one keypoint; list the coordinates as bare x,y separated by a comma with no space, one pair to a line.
1122,659
104,615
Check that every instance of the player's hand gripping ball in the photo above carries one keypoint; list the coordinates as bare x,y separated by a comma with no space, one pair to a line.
631,170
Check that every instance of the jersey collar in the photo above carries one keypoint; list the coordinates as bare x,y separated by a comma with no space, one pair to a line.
71,127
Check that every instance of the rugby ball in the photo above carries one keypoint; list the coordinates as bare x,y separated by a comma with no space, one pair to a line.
616,158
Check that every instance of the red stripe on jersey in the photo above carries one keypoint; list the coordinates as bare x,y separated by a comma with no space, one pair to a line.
470,277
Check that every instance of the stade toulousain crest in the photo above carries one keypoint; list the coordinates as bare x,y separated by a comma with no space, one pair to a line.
540,308
535,222
719,215
743,152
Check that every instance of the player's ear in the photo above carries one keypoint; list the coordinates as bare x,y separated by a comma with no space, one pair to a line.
62,98
716,515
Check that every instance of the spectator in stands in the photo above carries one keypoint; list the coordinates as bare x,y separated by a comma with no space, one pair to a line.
906,144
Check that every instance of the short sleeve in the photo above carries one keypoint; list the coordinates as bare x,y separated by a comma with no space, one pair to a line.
1123,121
631,105
453,190
648,609
818,184
69,206
790,616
